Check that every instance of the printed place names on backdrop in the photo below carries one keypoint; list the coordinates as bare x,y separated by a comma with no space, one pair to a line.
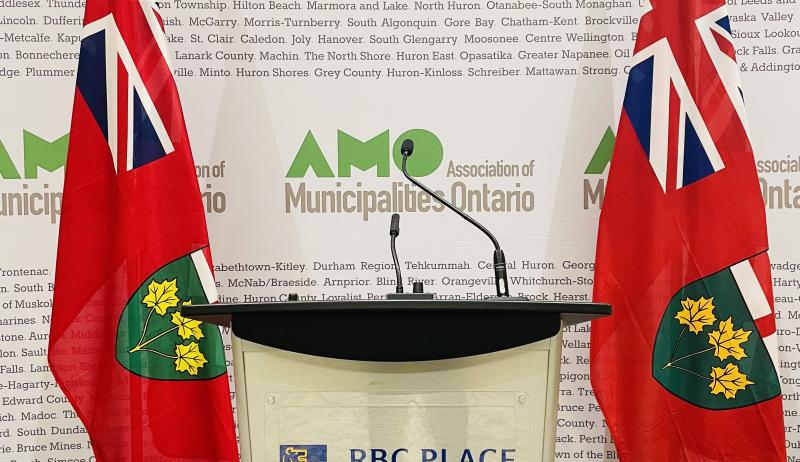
401,40
781,193
250,282
387,39
32,408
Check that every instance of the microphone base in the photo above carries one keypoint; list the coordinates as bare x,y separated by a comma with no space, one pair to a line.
430,296
508,299
411,296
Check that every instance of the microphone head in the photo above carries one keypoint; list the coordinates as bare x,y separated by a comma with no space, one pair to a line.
407,148
394,227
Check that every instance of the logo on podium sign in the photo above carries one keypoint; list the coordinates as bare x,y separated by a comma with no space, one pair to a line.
304,453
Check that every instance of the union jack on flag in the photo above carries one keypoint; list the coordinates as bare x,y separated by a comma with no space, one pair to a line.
666,117
124,73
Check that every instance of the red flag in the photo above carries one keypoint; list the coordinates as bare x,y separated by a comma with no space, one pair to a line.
147,383
686,367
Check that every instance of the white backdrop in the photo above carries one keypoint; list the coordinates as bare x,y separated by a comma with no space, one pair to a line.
533,85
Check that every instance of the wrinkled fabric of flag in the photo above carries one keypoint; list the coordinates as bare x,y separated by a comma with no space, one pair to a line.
685,369
147,383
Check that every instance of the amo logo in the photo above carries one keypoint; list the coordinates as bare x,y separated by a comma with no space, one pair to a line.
375,153
594,188
37,153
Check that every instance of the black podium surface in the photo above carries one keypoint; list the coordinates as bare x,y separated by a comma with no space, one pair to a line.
396,330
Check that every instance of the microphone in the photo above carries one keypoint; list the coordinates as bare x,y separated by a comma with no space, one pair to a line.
394,231
407,148
500,276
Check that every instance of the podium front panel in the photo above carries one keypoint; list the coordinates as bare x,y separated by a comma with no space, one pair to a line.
356,424
501,405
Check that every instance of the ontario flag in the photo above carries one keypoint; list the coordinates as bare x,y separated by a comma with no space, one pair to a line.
148,383
685,369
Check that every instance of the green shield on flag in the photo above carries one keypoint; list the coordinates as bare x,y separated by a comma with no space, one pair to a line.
155,341
708,350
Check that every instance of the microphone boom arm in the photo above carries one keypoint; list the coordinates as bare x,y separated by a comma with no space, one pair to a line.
500,275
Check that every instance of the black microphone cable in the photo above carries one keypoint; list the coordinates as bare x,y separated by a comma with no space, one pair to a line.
394,231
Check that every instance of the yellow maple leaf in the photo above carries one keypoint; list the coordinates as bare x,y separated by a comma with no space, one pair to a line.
728,381
187,327
727,342
697,313
161,296
189,358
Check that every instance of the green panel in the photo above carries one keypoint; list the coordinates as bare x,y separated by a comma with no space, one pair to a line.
7,169
147,339
602,155
363,155
428,152
40,153
683,360
309,156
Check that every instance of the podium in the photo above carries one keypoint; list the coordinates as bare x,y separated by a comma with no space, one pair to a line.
397,380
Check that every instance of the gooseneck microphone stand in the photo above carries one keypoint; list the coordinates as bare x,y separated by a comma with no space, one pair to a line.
500,275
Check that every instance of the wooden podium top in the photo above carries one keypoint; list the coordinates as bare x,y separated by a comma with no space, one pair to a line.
397,330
